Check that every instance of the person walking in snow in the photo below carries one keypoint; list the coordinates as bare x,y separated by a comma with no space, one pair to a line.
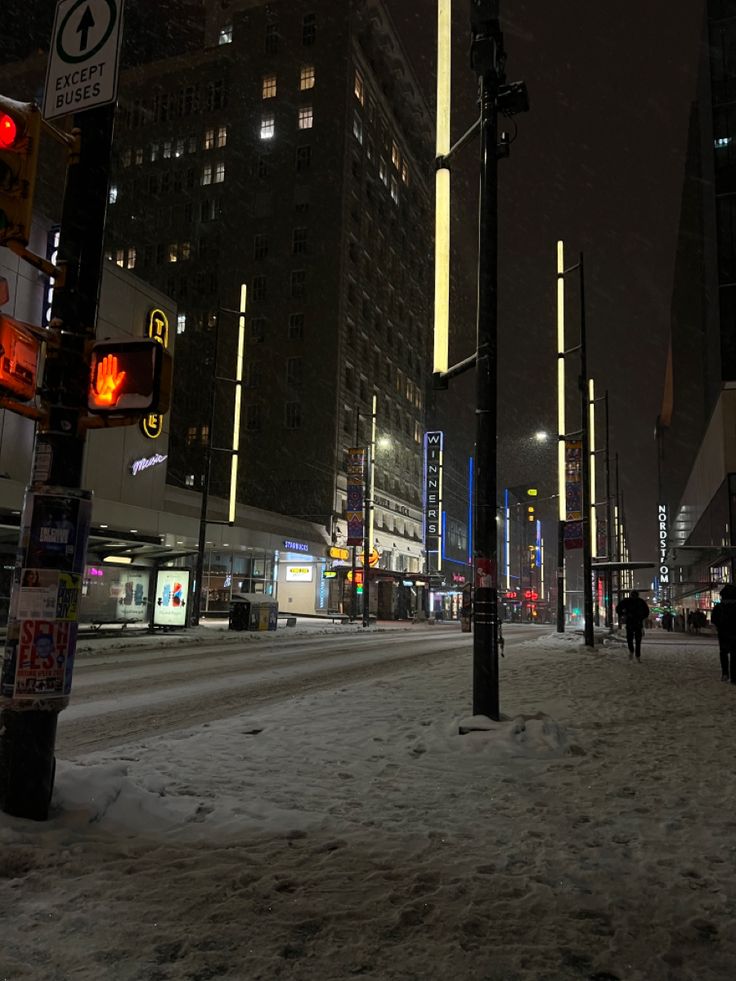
633,611
723,618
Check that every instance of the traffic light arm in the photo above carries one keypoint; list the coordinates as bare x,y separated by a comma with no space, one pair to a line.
29,411
46,267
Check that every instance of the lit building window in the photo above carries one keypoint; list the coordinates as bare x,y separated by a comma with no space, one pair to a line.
189,480
370,149
112,194
395,156
207,174
131,258
721,142
191,435
358,127
139,155
268,126
120,257
226,34
181,323
185,250
209,139
219,173
306,117
394,190
383,170
268,87
179,152
221,136
404,171
359,88
173,252
154,152
167,150
306,78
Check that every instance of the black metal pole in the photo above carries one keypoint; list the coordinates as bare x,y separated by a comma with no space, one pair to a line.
54,499
609,520
367,544
588,631
487,57
206,478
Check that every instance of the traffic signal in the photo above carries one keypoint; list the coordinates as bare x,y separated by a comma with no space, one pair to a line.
129,378
20,139
19,351
530,512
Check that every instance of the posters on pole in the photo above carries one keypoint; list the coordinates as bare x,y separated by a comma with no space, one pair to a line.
172,590
45,595
44,658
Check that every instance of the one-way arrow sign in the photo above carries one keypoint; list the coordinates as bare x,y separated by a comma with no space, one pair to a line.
82,71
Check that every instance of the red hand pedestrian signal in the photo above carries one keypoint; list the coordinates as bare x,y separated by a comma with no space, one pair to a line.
108,382
8,131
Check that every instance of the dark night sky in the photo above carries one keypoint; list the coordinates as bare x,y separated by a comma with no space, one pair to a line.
599,163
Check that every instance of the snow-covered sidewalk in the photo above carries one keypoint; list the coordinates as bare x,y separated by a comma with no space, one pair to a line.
354,833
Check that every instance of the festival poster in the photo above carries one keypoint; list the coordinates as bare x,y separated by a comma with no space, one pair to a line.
44,659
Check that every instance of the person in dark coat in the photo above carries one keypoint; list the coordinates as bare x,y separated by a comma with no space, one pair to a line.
723,618
633,611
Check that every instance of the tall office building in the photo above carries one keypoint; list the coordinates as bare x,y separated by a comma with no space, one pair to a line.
291,155
697,424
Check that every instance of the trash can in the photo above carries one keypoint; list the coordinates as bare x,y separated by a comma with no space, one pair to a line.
253,611
239,614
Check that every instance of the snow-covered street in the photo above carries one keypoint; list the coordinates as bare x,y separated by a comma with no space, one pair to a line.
312,813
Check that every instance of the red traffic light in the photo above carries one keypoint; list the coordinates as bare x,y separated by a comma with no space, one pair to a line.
8,131
129,378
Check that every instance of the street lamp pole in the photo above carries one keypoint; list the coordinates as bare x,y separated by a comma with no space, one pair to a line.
588,631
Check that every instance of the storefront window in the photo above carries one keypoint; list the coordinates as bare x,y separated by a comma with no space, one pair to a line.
247,571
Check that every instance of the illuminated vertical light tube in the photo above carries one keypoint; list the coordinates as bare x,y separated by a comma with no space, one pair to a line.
562,509
442,189
591,437
507,537
371,482
236,408
541,568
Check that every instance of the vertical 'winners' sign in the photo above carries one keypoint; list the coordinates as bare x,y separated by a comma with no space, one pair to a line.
433,447
356,495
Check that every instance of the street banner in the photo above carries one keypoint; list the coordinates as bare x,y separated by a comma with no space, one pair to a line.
355,512
573,493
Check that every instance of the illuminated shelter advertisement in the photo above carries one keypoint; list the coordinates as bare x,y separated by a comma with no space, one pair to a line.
172,596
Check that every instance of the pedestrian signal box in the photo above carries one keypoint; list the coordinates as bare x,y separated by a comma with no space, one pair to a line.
19,351
129,378
20,133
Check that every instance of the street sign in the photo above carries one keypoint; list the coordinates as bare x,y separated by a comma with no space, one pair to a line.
82,70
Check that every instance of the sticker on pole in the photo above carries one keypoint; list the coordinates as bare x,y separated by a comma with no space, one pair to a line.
82,70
